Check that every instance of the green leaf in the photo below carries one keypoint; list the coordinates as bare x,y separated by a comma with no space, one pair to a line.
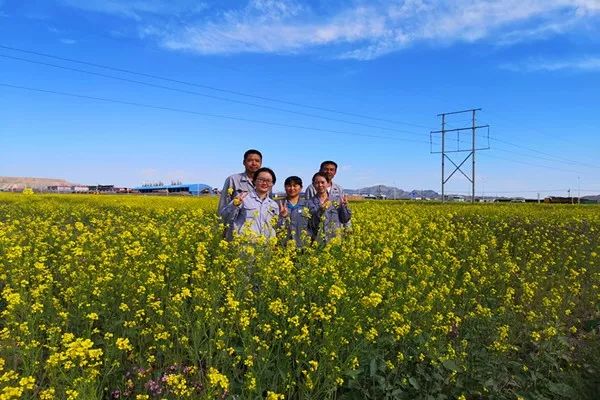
561,389
414,383
373,367
353,374
451,365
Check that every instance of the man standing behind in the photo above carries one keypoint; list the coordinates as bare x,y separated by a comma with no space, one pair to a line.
329,168
242,182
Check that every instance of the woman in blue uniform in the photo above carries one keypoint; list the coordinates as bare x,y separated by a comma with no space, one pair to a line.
253,213
328,215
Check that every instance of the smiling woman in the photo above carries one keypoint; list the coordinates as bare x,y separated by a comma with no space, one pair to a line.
253,212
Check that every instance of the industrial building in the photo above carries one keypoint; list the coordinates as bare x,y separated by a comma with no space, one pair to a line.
194,189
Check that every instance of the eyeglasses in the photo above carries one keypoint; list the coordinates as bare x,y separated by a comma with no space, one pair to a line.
263,180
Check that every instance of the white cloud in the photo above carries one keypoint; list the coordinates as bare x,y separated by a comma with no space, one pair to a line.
138,9
68,41
541,31
589,63
359,29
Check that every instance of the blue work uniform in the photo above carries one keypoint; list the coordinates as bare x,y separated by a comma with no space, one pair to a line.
296,223
335,192
325,223
254,216
238,183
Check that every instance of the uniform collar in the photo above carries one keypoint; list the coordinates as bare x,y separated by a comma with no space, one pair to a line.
255,196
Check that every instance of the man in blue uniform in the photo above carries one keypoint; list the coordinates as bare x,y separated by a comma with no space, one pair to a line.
242,182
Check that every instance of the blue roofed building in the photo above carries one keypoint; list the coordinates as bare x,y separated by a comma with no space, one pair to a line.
194,189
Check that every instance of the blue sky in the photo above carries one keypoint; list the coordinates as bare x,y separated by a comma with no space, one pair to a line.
358,82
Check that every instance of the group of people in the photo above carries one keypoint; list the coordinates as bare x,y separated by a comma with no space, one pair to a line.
246,205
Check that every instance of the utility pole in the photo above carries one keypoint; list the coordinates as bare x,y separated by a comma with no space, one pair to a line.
473,157
445,153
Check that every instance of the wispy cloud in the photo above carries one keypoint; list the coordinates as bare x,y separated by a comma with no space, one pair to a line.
68,41
139,9
588,63
357,30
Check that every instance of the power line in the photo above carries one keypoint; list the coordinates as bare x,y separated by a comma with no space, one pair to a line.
527,191
545,135
561,159
573,163
179,110
557,158
541,152
509,123
207,95
553,158
533,165
237,93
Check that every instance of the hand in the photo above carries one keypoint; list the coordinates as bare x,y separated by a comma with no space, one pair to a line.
239,199
283,210
325,205
344,200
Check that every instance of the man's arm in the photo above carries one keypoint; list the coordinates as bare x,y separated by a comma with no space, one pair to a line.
226,197
344,214
310,192
230,212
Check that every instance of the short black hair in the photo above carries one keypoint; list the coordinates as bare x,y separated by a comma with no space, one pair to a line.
264,169
291,180
328,162
321,174
254,151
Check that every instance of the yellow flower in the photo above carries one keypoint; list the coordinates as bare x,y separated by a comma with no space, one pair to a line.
274,396
372,300
336,292
92,316
27,382
216,379
178,385
47,394
124,344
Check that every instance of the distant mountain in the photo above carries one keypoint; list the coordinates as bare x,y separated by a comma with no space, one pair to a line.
594,198
19,183
393,192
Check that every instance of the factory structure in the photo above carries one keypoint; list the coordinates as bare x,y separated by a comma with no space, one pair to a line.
44,185
194,189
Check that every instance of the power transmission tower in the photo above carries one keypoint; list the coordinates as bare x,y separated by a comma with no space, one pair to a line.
445,152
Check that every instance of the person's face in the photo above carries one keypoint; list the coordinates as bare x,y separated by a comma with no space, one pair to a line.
293,190
320,184
329,170
263,183
252,163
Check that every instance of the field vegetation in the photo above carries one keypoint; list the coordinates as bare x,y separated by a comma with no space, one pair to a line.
140,298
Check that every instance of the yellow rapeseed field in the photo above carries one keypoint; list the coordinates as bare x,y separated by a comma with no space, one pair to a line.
134,297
